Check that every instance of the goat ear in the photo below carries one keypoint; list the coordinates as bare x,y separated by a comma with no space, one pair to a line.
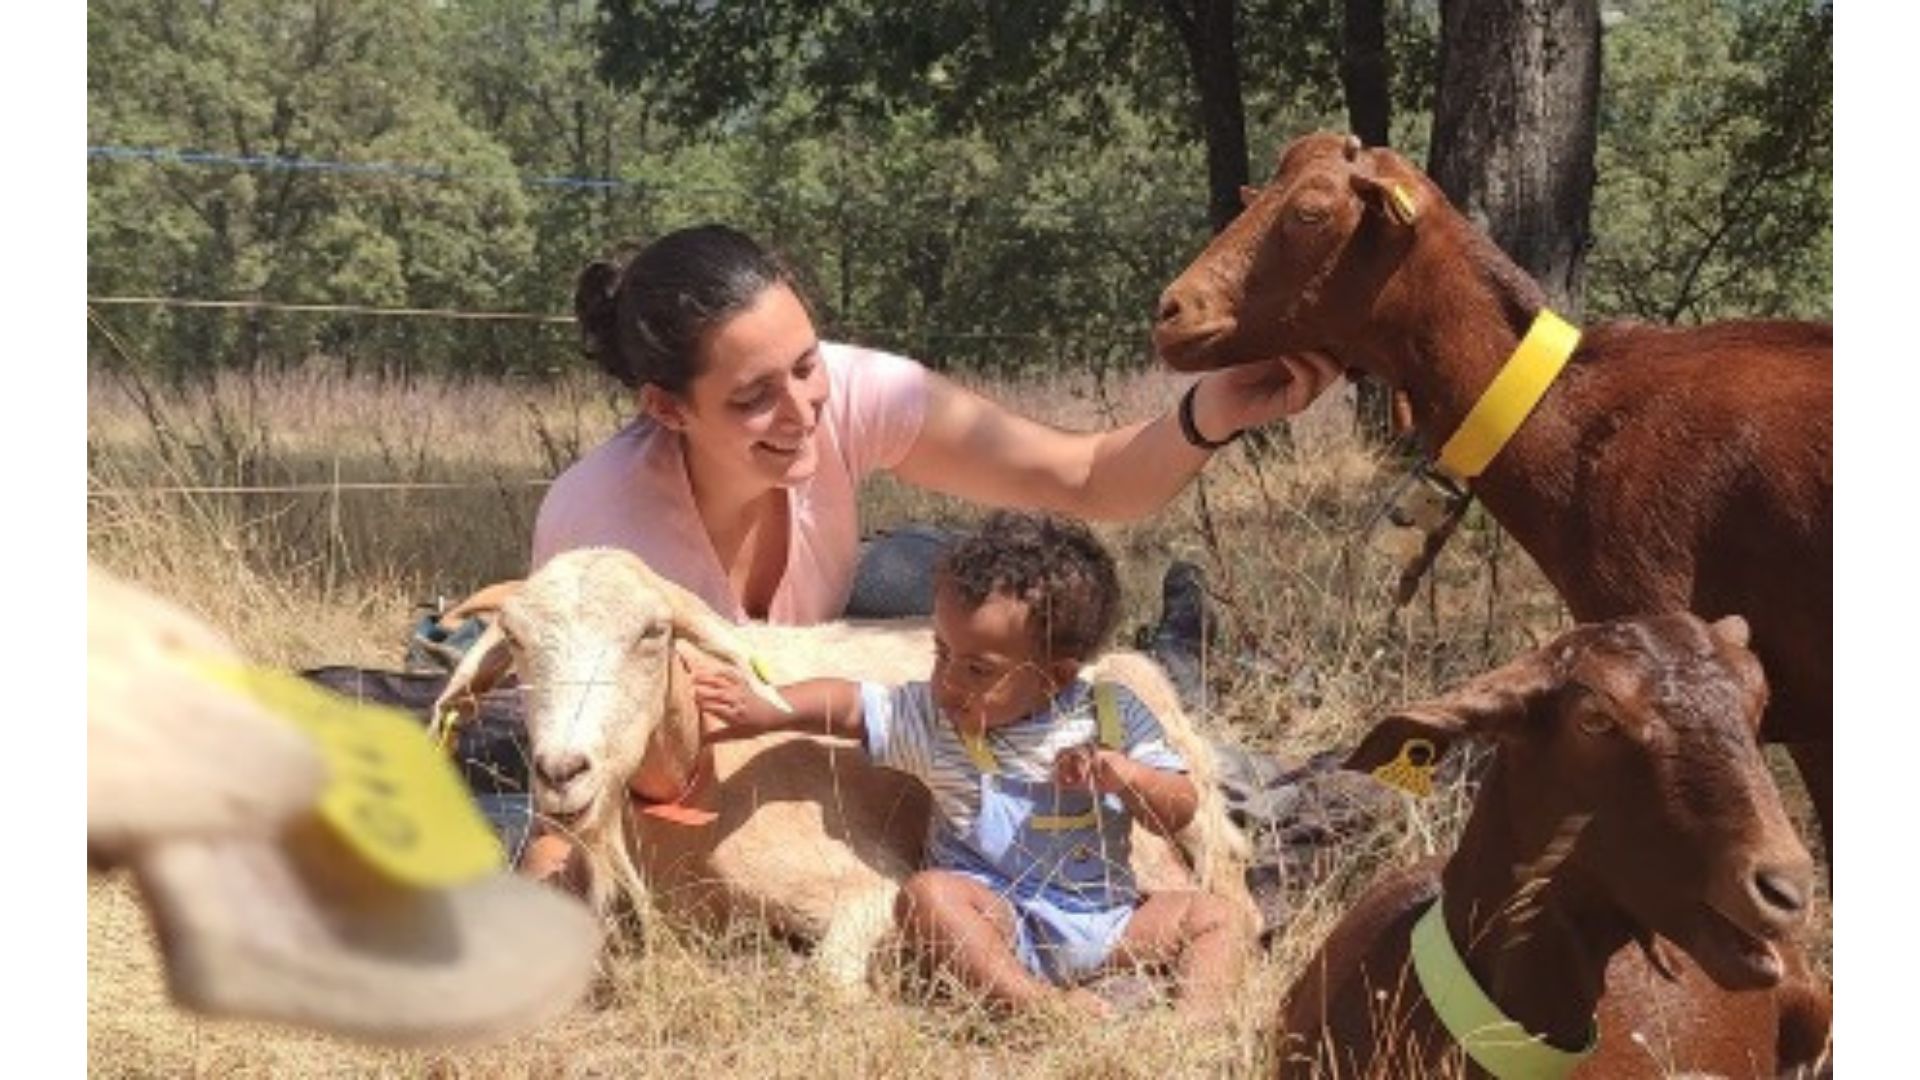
482,666
1404,748
1396,200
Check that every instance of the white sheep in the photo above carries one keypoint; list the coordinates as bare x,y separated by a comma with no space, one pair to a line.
803,831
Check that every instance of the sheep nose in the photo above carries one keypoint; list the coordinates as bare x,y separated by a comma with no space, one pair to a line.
1780,893
556,769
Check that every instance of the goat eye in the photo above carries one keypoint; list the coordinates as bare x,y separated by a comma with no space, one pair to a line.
653,631
1309,214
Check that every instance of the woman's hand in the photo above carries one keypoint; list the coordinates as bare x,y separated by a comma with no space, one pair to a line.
1250,395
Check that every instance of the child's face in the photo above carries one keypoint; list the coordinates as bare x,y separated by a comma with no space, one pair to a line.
987,671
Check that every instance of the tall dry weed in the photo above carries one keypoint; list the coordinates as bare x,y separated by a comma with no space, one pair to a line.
1308,649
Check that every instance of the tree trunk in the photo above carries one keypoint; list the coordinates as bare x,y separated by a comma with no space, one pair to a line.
1364,70
1364,75
1207,29
1513,129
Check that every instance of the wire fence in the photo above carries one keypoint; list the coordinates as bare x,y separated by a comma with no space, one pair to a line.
314,488
867,247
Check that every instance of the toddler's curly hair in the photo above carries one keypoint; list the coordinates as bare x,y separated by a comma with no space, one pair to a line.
1055,564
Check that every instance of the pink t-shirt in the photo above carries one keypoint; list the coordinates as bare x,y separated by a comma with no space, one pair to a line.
631,492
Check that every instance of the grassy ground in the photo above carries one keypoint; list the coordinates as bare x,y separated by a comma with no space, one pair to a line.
1311,649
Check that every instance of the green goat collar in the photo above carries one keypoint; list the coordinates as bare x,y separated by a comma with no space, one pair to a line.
1497,1044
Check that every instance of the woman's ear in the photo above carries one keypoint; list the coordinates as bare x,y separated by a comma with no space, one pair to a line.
662,407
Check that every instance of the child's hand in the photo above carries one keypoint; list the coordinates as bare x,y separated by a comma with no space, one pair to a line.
722,698
1090,766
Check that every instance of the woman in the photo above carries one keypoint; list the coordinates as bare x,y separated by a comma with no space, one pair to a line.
739,480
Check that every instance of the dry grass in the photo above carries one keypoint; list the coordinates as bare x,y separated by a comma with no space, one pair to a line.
1310,651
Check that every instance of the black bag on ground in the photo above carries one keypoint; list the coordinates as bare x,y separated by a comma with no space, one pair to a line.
490,747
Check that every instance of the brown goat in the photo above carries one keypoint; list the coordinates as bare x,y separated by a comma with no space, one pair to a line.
1626,798
1665,469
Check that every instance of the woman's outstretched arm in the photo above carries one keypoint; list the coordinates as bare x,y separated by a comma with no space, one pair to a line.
974,448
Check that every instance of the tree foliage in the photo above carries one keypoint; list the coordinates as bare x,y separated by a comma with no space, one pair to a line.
1715,195
334,81
986,185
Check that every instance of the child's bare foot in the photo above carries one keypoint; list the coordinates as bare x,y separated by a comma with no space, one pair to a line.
1204,1013
1081,1001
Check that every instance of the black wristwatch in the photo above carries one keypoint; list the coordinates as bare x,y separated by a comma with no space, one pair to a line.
1192,431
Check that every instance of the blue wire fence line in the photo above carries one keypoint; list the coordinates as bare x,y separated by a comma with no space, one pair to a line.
370,168
1193,215
554,319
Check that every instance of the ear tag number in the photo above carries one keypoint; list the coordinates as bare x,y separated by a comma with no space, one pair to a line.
1412,769
391,795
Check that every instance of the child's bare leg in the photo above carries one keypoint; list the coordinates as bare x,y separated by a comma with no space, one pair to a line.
1197,933
968,929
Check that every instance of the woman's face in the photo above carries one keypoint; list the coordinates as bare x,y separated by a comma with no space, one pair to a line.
756,403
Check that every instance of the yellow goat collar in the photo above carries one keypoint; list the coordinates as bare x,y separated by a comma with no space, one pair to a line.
1512,395
1497,1044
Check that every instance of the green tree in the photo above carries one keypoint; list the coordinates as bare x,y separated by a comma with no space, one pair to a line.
337,80
1203,69
1715,193
524,74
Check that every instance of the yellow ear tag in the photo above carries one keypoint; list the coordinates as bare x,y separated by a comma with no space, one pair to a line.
449,730
1412,769
760,668
391,796
1401,206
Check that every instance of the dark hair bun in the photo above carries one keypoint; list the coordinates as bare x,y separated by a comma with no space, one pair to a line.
596,309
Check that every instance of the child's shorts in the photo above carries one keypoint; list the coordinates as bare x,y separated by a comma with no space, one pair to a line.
1058,944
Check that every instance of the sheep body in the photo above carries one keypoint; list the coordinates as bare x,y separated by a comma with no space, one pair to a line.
799,831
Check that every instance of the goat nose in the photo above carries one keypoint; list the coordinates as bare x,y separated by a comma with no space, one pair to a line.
1781,892
557,769
1172,306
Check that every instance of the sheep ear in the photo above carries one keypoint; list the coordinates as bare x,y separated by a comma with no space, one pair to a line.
482,666
487,601
735,657
683,663
696,624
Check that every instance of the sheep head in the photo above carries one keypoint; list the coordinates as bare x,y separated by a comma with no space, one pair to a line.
600,642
